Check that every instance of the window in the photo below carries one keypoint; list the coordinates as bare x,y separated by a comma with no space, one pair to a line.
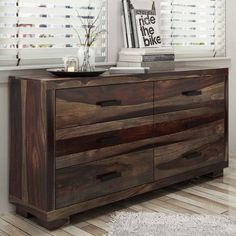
34,32
195,28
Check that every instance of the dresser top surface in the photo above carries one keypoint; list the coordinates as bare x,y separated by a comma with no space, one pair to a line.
106,79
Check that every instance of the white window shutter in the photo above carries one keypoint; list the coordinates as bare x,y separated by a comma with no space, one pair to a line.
195,28
35,32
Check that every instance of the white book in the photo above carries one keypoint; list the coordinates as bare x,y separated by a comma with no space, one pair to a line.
128,70
161,65
127,23
135,32
147,58
147,23
146,51
124,31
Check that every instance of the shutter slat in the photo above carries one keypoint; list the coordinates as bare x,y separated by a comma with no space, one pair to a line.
195,28
43,31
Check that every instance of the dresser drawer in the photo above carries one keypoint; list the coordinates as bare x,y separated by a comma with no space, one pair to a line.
174,95
173,158
180,121
95,141
88,181
90,105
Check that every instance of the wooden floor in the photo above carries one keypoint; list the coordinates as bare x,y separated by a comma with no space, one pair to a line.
202,195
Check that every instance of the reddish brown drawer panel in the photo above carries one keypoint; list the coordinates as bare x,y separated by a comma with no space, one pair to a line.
84,182
174,95
179,121
83,106
213,128
101,140
173,158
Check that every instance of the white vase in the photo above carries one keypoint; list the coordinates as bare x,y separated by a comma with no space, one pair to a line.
86,57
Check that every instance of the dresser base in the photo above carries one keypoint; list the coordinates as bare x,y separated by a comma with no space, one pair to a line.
59,217
20,211
216,174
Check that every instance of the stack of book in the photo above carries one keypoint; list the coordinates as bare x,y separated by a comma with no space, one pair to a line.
152,58
143,47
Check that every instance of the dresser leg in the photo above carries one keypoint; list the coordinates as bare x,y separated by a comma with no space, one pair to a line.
22,212
216,174
53,224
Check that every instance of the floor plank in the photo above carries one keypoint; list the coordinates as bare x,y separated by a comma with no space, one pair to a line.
23,225
94,230
9,229
75,231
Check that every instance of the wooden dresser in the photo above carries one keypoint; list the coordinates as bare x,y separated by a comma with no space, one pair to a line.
81,143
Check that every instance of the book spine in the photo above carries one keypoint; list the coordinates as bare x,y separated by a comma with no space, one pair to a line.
158,65
147,58
124,31
161,57
135,32
126,70
146,51
127,23
131,25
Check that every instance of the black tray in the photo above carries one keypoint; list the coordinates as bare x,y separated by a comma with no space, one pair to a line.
61,73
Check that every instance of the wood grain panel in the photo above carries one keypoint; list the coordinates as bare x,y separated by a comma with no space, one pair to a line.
16,137
174,95
178,121
84,182
51,136
179,73
176,158
212,128
113,197
226,118
35,120
101,140
33,164
82,106
78,131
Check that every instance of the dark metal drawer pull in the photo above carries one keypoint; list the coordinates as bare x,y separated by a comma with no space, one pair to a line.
109,176
192,93
191,155
109,103
193,124
108,140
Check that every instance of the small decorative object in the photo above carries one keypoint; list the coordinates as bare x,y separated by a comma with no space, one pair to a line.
60,72
92,30
71,64
86,57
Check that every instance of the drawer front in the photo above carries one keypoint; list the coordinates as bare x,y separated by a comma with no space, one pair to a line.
180,121
84,182
107,138
83,106
188,140
174,95
189,119
173,158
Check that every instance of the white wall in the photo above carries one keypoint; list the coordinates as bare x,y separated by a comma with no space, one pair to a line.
4,206
115,42
231,52
115,31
